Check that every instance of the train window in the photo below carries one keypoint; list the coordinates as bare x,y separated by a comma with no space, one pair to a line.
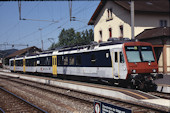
12,63
121,57
27,62
147,54
78,60
93,59
16,62
66,60
42,61
60,60
116,59
71,60
48,61
19,62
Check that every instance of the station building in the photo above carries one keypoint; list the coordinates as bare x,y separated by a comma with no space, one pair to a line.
113,19
22,52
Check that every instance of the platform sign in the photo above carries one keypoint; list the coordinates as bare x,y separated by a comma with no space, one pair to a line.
101,107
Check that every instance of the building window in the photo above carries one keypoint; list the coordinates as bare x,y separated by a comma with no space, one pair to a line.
100,32
110,32
163,23
121,31
109,14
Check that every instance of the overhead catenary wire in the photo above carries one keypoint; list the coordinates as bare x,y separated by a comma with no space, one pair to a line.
20,18
64,18
65,23
59,27
11,28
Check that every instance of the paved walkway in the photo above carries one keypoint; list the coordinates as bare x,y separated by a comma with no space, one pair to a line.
164,80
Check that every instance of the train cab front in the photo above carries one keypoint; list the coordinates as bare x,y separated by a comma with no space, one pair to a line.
141,65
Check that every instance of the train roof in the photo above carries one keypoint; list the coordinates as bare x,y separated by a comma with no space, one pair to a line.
93,45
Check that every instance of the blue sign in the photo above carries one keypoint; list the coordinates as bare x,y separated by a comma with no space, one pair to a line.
101,107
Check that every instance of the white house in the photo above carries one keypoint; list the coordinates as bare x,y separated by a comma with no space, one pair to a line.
112,18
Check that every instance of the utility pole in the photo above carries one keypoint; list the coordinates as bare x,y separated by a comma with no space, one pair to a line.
19,6
41,38
70,11
132,18
42,45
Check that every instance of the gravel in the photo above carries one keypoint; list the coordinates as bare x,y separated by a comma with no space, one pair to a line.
47,101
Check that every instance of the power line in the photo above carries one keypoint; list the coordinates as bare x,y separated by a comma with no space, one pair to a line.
59,27
40,20
20,18
13,45
33,8
10,29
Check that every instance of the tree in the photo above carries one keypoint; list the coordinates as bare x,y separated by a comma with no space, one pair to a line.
71,38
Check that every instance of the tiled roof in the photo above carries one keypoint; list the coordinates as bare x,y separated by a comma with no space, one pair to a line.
22,52
151,6
155,32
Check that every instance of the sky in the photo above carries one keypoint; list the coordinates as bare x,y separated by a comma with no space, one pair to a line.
44,21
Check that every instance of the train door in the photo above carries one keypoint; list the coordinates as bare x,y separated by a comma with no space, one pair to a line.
54,64
14,65
119,66
24,65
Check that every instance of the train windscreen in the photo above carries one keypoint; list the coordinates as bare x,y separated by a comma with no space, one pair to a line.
147,54
139,54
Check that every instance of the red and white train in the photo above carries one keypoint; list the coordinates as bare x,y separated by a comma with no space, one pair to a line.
123,62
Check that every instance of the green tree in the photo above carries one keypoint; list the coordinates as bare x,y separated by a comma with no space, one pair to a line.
71,38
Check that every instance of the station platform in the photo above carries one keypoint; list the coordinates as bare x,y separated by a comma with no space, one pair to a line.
98,90
163,84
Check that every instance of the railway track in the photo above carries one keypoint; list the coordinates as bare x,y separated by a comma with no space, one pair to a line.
84,97
161,95
11,103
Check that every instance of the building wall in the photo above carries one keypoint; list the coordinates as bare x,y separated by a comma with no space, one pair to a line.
147,21
102,25
168,55
122,17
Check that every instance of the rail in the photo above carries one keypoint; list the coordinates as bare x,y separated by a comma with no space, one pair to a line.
45,87
10,96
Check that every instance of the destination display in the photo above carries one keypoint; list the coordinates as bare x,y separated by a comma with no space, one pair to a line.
101,107
137,48
131,48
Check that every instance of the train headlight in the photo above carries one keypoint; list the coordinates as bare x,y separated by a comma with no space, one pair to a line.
133,71
154,70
